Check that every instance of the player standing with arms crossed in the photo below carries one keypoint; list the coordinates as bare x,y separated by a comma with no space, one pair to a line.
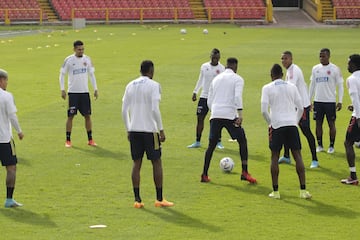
79,68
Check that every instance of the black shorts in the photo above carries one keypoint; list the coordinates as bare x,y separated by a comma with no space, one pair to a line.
8,154
217,124
353,131
322,109
305,119
287,136
81,102
202,108
141,142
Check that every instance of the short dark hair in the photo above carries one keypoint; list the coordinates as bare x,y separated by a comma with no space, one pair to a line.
287,53
276,70
325,50
146,66
3,74
215,51
231,61
355,59
78,43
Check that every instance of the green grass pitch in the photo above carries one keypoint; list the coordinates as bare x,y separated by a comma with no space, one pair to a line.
64,191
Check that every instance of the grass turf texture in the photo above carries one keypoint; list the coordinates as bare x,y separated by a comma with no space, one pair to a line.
64,191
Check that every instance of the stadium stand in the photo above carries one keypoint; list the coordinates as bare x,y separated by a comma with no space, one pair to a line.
347,9
123,9
21,10
241,9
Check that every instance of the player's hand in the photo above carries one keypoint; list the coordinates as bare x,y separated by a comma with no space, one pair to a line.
338,106
96,95
350,108
311,107
21,135
63,94
238,121
162,136
194,97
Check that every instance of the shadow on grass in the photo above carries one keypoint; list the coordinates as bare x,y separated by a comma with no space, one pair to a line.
28,217
101,152
170,215
325,209
256,189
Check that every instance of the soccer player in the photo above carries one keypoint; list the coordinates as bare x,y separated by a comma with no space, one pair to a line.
8,158
142,118
353,130
208,71
282,108
226,105
79,68
295,76
325,77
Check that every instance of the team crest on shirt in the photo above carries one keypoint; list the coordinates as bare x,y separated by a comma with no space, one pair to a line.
85,64
328,72
217,71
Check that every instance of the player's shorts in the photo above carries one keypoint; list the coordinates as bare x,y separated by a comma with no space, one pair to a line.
81,102
217,124
305,119
287,136
202,108
144,142
353,131
327,109
8,154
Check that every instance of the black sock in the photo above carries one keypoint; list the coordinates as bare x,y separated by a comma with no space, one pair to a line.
137,194
276,187
353,175
9,192
89,134
303,187
159,196
332,143
244,167
319,141
68,135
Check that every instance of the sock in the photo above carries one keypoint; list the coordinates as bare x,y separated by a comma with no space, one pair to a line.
276,188
319,141
303,187
137,194
89,134
244,167
68,135
159,196
353,173
198,137
332,143
9,192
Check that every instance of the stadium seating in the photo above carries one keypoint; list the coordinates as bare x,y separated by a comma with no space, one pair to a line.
20,10
347,9
238,9
123,9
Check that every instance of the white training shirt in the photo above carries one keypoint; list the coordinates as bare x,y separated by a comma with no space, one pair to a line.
207,74
225,95
140,108
78,70
323,82
295,76
353,85
283,101
7,116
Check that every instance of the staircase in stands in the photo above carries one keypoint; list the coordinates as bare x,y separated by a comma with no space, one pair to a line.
46,7
327,10
197,7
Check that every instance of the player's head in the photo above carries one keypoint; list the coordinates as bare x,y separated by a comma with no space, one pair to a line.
147,68
286,59
354,63
324,56
232,63
3,79
215,56
79,48
276,72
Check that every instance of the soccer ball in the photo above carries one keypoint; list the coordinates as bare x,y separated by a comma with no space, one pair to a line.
183,31
226,164
205,31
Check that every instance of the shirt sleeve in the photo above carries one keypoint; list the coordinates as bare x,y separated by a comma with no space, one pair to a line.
340,84
312,85
125,110
265,106
62,74
199,82
239,86
156,108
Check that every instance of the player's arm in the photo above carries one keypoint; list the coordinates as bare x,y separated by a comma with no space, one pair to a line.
62,84
311,89
93,83
265,106
198,85
15,123
340,91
